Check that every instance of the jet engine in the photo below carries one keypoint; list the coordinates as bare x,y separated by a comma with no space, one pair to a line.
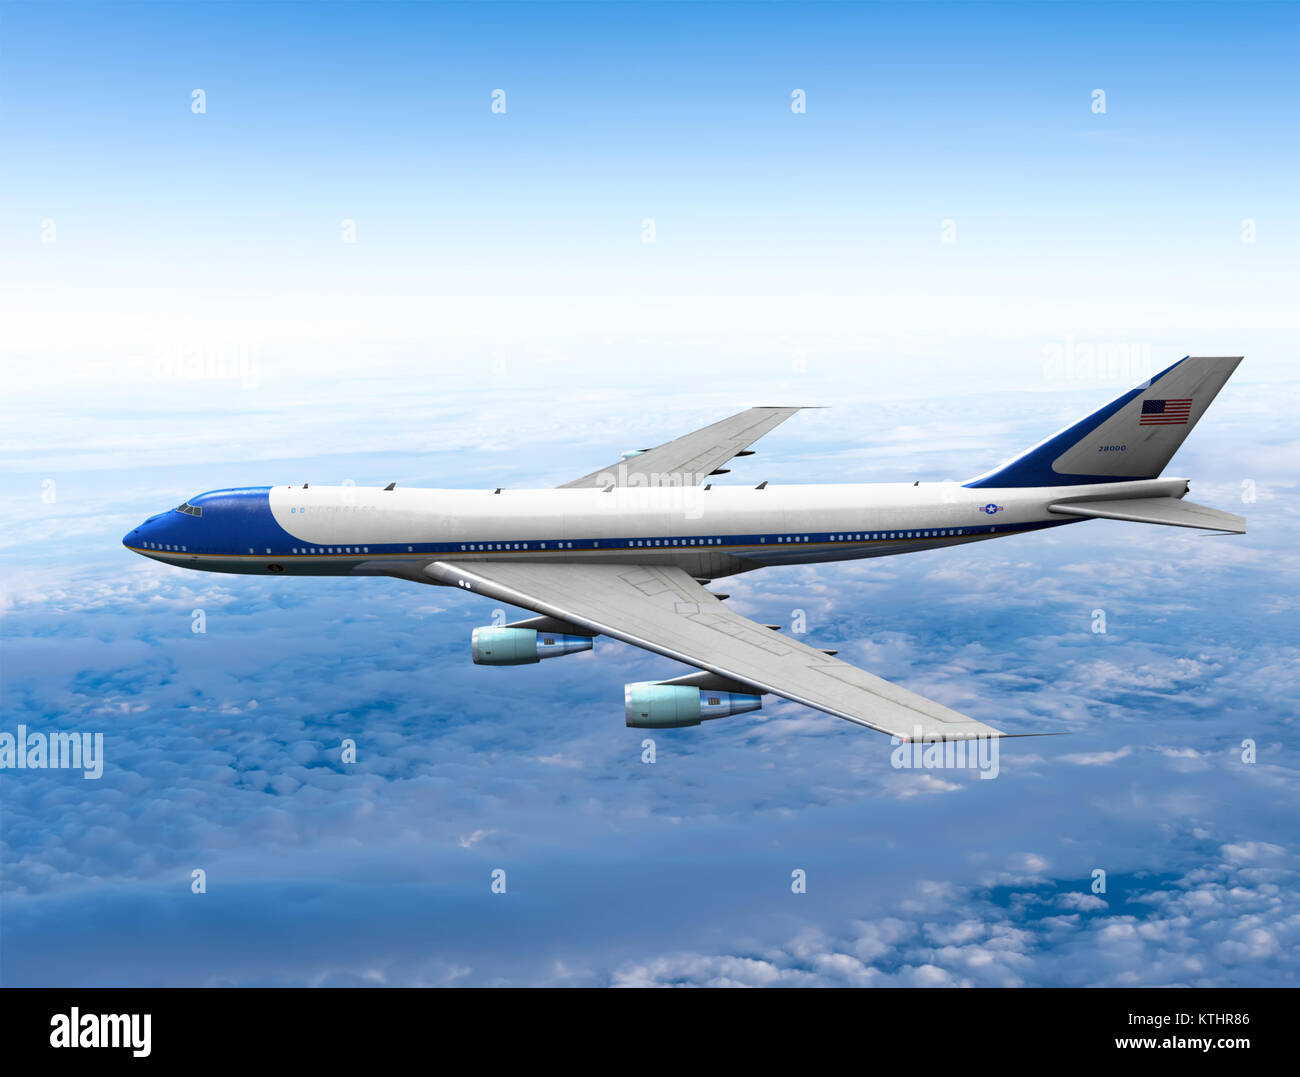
510,646
656,705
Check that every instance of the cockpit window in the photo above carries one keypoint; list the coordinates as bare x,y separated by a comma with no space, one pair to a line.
189,510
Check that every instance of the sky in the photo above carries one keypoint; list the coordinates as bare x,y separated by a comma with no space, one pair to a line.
949,249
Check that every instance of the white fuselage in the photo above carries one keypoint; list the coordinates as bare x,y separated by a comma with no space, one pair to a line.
719,531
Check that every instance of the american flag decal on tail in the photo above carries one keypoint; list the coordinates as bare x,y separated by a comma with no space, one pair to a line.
1165,412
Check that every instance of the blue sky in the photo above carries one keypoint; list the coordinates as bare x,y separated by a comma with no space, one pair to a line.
197,322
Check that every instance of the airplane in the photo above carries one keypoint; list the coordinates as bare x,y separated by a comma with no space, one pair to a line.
627,551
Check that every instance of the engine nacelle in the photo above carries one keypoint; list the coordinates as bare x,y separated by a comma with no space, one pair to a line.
519,646
651,705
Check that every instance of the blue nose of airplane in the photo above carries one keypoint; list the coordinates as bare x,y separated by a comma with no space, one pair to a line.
153,534
137,537
230,522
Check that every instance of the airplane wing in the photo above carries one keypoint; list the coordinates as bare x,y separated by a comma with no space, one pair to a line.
662,609
691,458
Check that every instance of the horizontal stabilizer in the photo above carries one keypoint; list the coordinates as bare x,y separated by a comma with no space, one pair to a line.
1155,510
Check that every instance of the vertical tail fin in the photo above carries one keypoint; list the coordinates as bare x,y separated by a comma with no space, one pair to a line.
1132,437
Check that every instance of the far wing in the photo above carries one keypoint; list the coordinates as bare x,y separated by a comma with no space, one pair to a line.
662,609
691,458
